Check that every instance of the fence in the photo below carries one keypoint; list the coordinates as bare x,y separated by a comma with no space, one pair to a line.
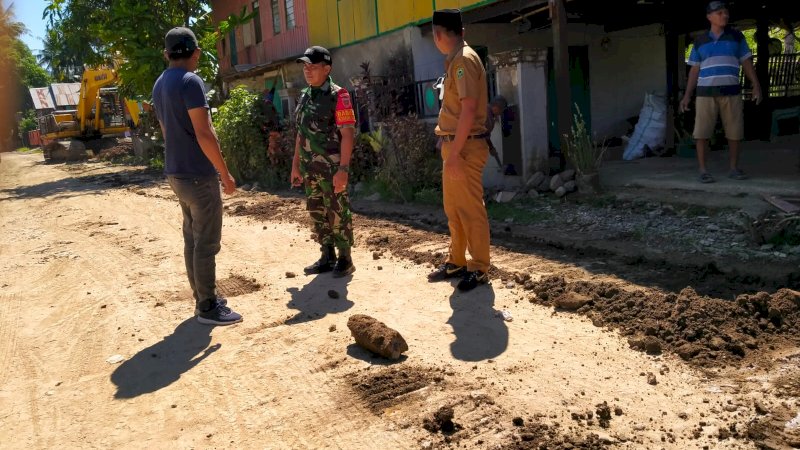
784,76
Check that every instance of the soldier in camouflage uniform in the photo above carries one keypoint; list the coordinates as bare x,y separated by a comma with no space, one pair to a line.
326,130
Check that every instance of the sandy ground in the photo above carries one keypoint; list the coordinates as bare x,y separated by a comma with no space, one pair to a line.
89,271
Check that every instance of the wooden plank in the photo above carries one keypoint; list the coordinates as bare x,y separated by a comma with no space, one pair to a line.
558,16
782,204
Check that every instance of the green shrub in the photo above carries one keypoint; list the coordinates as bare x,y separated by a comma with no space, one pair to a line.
409,162
28,122
243,143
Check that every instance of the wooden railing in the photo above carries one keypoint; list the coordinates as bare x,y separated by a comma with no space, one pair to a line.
784,76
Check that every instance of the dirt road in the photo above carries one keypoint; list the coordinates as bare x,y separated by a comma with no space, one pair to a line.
91,269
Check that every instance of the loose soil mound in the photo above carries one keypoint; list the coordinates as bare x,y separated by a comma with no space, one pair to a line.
702,330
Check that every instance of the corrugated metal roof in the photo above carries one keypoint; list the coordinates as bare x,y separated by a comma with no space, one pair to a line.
66,94
42,98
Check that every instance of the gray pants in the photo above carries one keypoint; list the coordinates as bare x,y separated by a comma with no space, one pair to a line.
201,204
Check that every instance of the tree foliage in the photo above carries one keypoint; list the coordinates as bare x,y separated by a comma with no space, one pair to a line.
20,69
130,35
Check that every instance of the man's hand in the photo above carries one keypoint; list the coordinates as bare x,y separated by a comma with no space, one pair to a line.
684,104
757,94
453,168
340,181
228,184
296,179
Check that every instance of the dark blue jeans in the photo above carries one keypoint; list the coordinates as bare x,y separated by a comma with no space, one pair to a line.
201,204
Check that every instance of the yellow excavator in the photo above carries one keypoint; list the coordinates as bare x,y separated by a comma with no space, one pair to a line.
101,112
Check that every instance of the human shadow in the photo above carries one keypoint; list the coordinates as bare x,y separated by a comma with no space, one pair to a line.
358,352
312,301
480,333
164,362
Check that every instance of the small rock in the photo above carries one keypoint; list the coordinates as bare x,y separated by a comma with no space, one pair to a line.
570,186
572,301
617,411
535,180
50,393
517,421
373,198
556,182
761,409
290,275
561,191
332,328
651,379
115,359
712,227
380,267
505,315
510,285
567,175
766,247
245,187
333,294
730,408
376,255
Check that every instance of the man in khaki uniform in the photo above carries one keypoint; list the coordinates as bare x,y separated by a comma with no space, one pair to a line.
461,130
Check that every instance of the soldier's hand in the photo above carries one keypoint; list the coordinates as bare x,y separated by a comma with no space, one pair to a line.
296,178
228,184
340,181
453,168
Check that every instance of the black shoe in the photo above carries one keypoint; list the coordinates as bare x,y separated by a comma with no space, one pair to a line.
219,315
471,280
344,266
325,262
220,301
445,271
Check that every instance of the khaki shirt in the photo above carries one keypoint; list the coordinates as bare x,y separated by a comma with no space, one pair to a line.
465,77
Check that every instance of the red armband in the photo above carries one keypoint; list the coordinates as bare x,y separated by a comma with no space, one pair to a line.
344,109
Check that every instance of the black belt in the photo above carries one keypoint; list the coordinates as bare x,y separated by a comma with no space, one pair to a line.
452,137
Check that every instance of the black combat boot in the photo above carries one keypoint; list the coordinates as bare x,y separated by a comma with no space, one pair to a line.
344,265
325,263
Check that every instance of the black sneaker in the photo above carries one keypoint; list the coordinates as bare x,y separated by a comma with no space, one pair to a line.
471,280
220,301
343,267
219,315
445,271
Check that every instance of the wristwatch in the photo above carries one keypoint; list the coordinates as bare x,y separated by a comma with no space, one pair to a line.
345,169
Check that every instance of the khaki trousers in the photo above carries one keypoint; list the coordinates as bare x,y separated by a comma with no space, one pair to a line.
463,205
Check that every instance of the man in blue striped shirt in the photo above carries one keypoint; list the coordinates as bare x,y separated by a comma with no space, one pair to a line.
715,60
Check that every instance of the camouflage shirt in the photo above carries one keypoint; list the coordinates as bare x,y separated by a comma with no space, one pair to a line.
320,113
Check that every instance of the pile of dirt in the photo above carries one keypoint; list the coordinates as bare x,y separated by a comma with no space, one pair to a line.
537,435
702,330
236,285
116,153
274,209
386,387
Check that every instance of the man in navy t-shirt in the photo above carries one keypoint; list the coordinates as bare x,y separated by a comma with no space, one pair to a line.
194,167
715,60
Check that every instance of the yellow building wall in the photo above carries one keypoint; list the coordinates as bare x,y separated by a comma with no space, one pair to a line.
333,23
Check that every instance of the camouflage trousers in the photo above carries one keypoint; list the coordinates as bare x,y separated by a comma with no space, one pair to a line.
330,212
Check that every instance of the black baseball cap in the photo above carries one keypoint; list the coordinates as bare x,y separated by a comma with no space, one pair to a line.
450,19
180,40
316,54
715,6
